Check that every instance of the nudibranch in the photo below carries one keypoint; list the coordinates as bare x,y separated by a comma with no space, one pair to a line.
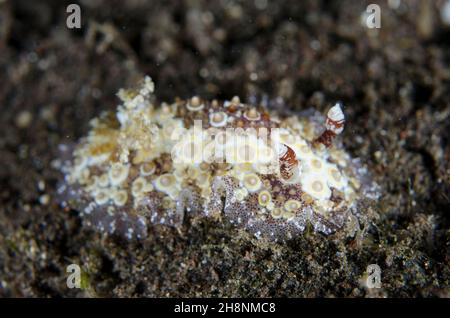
270,174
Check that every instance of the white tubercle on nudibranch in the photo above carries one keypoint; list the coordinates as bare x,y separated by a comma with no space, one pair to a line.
153,163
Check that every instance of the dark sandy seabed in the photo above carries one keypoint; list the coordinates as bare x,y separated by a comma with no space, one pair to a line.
394,83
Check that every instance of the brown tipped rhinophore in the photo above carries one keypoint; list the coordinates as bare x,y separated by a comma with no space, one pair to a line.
288,162
153,163
334,126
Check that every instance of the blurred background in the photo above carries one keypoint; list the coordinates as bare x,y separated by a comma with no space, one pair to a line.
393,80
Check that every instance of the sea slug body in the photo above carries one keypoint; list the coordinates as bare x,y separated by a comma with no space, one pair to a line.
157,163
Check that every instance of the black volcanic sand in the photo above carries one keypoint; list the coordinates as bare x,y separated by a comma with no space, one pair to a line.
394,83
